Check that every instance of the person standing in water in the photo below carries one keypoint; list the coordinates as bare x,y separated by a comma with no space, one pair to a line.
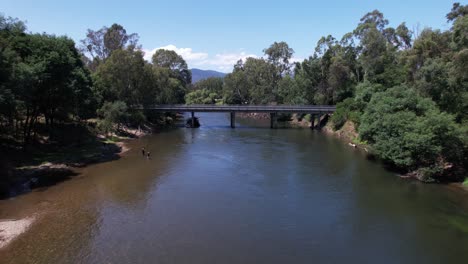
143,151
148,155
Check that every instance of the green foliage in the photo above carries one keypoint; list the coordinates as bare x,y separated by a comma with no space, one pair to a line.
279,54
100,44
212,84
169,59
345,111
112,114
124,76
410,132
252,82
41,77
203,96
289,92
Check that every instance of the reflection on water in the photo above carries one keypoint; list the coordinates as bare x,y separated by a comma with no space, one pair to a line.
244,195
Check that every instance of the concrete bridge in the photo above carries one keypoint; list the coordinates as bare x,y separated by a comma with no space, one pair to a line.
233,109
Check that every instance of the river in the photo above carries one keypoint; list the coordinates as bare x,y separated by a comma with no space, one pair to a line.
244,195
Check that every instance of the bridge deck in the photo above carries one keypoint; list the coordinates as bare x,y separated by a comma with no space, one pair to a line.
312,109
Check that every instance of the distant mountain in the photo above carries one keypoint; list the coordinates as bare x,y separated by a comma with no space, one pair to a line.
198,74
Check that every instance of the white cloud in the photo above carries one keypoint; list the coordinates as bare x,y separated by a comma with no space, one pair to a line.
186,53
294,59
223,62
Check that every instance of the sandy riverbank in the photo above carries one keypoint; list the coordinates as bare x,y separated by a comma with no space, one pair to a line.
11,229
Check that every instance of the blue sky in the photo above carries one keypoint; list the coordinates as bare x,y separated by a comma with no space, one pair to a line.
215,34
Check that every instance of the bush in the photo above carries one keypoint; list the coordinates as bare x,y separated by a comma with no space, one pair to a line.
111,114
410,132
345,111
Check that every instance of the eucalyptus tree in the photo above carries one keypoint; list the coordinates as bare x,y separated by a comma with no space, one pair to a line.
169,59
173,75
99,44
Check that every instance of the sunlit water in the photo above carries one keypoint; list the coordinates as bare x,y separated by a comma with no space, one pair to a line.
244,195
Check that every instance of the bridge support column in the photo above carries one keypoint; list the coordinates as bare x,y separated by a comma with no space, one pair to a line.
193,120
273,120
233,119
319,121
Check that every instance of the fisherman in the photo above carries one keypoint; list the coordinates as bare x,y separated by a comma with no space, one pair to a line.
143,151
148,155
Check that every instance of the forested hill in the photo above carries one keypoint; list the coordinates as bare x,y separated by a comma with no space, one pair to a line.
198,74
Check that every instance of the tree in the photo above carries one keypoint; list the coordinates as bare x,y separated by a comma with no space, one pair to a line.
279,54
212,84
289,92
175,63
171,90
457,11
173,75
372,20
341,80
202,96
112,114
124,77
42,77
235,88
99,45
308,78
410,132
259,76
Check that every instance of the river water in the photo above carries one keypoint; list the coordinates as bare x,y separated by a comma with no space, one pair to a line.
244,195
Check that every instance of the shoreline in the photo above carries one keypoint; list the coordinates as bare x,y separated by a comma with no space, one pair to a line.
11,229
349,134
63,165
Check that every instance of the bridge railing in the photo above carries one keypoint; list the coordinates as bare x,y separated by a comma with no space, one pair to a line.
244,108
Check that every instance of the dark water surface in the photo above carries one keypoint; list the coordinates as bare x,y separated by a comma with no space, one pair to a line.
244,195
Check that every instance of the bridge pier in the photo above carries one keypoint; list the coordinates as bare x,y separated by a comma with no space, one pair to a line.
193,119
233,119
273,120
320,118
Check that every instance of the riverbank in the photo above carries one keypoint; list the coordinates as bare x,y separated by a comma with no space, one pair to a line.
47,164
350,135
10,229
43,166
61,166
